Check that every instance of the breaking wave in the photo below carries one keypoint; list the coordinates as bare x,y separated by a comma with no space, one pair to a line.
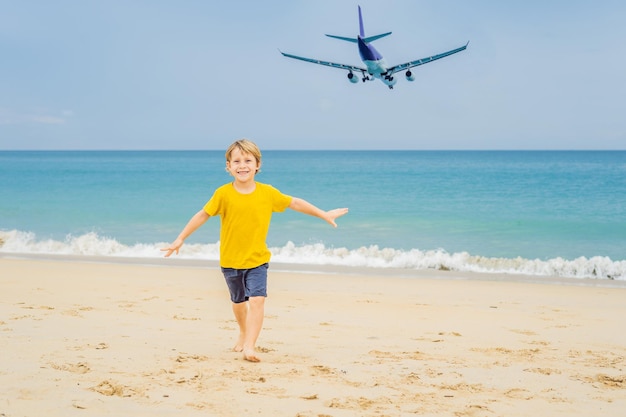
598,267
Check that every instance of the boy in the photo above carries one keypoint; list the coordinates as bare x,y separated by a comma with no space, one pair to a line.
245,207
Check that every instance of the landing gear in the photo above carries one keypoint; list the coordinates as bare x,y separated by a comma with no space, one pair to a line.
389,79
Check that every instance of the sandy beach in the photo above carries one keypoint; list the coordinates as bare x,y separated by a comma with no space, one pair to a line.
123,339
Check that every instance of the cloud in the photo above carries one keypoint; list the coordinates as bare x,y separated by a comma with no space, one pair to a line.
326,105
49,120
11,117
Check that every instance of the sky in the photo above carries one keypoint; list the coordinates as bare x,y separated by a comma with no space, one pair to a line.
195,74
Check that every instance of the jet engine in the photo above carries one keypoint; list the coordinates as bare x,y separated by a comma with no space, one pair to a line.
409,76
353,78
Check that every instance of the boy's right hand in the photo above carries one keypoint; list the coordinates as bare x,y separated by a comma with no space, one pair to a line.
174,247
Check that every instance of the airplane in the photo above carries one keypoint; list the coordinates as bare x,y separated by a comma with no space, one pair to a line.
375,65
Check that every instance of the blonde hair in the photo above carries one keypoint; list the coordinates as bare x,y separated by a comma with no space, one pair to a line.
244,146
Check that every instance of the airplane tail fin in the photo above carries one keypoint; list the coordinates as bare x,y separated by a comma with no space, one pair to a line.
361,32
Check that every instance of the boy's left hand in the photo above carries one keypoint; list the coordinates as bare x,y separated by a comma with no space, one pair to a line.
331,215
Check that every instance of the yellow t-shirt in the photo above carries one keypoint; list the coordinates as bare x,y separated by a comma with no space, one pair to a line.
245,221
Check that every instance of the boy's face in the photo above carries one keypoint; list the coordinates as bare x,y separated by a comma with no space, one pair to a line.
243,166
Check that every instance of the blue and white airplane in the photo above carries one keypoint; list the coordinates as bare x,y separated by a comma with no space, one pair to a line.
376,66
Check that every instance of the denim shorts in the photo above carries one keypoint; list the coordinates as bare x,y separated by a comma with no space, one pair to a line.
246,283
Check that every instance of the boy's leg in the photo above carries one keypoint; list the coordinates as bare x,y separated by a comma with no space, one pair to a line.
235,279
241,313
253,326
256,288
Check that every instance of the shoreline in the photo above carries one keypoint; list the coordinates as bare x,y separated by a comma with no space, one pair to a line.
330,269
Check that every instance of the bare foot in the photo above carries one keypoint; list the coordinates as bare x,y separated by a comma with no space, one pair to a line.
239,346
250,355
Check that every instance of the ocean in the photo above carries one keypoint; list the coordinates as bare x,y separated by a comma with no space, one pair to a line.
542,213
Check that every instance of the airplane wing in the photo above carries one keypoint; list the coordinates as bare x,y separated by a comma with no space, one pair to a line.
327,63
426,60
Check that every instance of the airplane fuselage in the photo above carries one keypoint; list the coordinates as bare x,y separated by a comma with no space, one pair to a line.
376,68
374,61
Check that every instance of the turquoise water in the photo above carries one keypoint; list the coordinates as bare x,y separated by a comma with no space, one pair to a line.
539,212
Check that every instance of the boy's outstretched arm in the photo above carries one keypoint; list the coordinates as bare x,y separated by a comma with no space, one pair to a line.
194,223
305,207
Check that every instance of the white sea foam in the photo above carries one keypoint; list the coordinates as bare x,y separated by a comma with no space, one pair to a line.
18,242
